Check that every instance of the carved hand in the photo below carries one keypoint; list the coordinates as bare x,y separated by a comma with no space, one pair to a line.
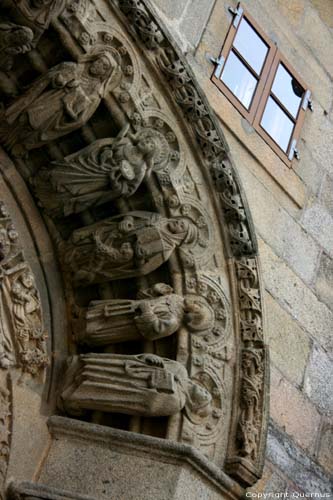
153,360
126,225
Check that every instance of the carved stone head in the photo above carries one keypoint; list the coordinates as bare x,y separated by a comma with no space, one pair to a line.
198,400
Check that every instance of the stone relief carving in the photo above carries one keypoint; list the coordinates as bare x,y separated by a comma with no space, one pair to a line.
59,102
5,425
22,333
249,300
35,14
125,246
14,40
214,149
251,402
26,310
143,384
208,323
158,313
136,243
148,30
106,170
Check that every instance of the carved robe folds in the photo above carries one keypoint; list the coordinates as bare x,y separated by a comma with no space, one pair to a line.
111,321
35,14
144,385
125,246
59,102
105,170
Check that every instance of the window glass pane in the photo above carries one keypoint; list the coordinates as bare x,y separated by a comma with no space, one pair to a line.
239,80
250,46
287,90
277,124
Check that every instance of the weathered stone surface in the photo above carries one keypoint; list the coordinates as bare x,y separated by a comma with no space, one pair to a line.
326,194
28,490
318,223
324,282
293,412
325,453
311,172
271,481
317,35
260,486
173,9
194,20
317,133
324,8
276,226
292,10
295,464
289,344
112,464
276,484
295,297
319,381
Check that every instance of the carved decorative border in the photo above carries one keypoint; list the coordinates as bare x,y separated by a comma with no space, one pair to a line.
22,332
244,461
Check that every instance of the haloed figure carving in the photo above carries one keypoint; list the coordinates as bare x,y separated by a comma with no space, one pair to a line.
144,385
14,40
156,314
58,102
105,170
125,246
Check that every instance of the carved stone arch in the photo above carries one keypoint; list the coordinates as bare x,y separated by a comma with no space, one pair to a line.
182,206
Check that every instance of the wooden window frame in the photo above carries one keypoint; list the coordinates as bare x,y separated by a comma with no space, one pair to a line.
264,86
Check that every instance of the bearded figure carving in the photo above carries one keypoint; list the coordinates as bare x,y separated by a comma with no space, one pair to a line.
58,102
143,385
105,170
124,246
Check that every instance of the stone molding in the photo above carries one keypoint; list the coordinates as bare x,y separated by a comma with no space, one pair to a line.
131,443
33,491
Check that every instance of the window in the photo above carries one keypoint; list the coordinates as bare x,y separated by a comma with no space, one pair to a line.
260,83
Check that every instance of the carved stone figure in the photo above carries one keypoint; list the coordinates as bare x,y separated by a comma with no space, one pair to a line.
105,170
125,246
58,102
14,40
27,321
252,367
143,384
40,12
156,314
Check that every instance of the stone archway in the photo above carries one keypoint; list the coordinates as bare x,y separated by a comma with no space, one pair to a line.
158,257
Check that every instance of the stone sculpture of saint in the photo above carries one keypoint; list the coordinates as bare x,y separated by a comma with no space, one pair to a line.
144,385
14,40
157,314
105,170
58,102
31,338
124,246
